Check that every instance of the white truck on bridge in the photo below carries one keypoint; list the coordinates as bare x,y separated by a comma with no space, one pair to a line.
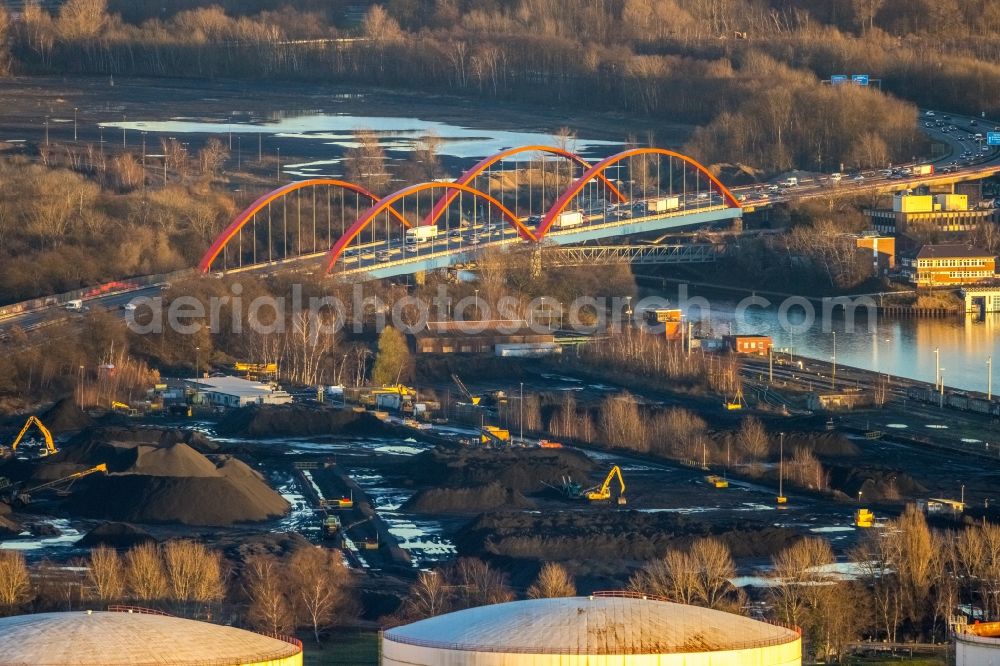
422,234
569,218
663,204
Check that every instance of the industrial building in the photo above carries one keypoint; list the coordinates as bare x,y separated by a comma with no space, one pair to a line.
613,628
977,644
881,250
748,344
236,392
504,338
86,638
948,264
929,214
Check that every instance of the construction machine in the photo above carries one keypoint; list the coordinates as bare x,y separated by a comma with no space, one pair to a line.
124,408
50,447
18,497
737,401
717,481
603,492
473,399
494,436
864,518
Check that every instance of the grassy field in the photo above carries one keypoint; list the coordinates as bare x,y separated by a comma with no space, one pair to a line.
341,649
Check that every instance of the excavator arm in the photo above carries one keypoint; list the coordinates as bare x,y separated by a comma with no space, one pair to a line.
33,420
474,399
604,491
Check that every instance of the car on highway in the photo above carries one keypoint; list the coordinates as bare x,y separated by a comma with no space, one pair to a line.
128,307
929,113
382,255
474,240
858,178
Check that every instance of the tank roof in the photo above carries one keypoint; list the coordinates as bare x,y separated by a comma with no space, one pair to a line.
136,639
597,625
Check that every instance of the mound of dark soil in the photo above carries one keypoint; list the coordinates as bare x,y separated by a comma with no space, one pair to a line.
523,470
298,420
875,484
66,416
823,444
158,476
467,500
115,535
611,535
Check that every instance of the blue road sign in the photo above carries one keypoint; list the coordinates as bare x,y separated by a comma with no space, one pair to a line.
993,138
859,79
838,79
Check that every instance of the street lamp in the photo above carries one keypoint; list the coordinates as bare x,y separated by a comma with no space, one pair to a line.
521,418
46,130
197,360
123,130
833,375
75,109
937,366
479,313
989,377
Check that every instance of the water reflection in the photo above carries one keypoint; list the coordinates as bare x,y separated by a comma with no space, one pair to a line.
903,347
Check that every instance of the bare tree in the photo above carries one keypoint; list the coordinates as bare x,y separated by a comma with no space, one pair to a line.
212,157
264,584
553,581
379,26
428,596
365,163
144,572
753,439
317,578
700,576
15,583
194,573
106,573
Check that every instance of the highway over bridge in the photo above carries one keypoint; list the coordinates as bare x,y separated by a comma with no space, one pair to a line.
532,196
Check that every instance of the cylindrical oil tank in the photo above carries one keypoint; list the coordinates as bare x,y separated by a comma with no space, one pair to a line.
978,644
134,637
600,630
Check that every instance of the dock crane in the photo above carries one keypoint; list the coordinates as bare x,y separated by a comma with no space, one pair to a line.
474,399
50,447
602,493
22,497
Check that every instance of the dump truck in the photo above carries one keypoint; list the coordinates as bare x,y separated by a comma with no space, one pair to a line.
493,435
923,170
567,219
717,481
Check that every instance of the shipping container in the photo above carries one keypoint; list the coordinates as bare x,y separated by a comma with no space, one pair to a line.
570,218
663,204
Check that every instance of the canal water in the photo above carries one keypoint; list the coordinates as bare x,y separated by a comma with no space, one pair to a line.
901,347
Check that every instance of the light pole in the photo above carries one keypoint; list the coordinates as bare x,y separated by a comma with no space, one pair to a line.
197,360
989,377
80,389
520,419
75,109
46,130
479,313
123,131
781,469
833,375
937,366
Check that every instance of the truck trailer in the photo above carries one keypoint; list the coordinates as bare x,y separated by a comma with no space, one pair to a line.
570,218
923,170
663,204
422,234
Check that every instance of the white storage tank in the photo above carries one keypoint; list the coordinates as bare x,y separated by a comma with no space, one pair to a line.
601,630
132,638
978,644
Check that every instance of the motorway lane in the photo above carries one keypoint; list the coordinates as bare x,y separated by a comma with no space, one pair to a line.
368,255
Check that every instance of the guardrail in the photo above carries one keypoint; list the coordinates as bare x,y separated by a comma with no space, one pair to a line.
141,610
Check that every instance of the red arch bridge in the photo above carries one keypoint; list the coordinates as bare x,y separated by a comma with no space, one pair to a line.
525,195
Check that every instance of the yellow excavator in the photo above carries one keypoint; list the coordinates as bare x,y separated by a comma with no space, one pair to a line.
50,447
124,408
603,493
19,497
473,399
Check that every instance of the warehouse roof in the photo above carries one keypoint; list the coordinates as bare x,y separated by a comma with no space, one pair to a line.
116,639
232,386
598,625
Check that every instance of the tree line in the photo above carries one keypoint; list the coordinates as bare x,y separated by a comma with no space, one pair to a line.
309,589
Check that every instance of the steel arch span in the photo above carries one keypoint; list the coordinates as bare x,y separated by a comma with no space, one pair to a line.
385,204
484,164
560,205
260,204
